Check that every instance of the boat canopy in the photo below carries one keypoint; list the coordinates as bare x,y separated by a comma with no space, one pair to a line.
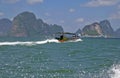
66,33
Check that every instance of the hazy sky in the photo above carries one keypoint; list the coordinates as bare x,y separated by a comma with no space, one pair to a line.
71,14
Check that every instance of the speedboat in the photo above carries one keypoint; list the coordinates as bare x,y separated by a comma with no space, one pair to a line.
66,36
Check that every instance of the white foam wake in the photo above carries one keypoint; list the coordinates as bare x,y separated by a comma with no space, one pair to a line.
29,43
75,40
115,71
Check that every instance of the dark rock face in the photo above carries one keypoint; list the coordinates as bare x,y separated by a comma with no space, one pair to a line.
117,33
26,25
23,25
5,26
106,28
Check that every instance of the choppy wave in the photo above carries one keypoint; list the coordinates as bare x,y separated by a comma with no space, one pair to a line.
29,43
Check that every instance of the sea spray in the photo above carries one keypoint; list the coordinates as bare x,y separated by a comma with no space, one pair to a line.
114,72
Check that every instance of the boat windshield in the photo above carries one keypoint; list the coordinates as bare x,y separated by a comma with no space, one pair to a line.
66,34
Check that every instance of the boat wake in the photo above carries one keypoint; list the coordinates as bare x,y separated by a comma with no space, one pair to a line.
29,43
75,40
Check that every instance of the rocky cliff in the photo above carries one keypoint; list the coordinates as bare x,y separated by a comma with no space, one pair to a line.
102,29
27,25
117,33
106,28
92,30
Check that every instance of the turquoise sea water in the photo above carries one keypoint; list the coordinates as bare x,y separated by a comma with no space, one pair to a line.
89,58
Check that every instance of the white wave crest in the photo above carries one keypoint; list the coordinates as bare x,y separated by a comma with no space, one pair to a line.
77,40
29,43
115,71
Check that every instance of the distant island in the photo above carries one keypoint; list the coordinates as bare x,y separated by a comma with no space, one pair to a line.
99,29
26,24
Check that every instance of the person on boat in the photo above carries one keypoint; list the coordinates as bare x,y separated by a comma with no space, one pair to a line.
61,37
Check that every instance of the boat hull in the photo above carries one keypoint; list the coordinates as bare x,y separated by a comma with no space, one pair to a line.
67,40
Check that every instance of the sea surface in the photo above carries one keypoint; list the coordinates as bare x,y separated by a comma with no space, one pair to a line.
47,58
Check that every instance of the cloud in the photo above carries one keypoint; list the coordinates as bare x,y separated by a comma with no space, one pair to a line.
1,13
34,1
115,16
71,10
97,3
9,1
80,20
